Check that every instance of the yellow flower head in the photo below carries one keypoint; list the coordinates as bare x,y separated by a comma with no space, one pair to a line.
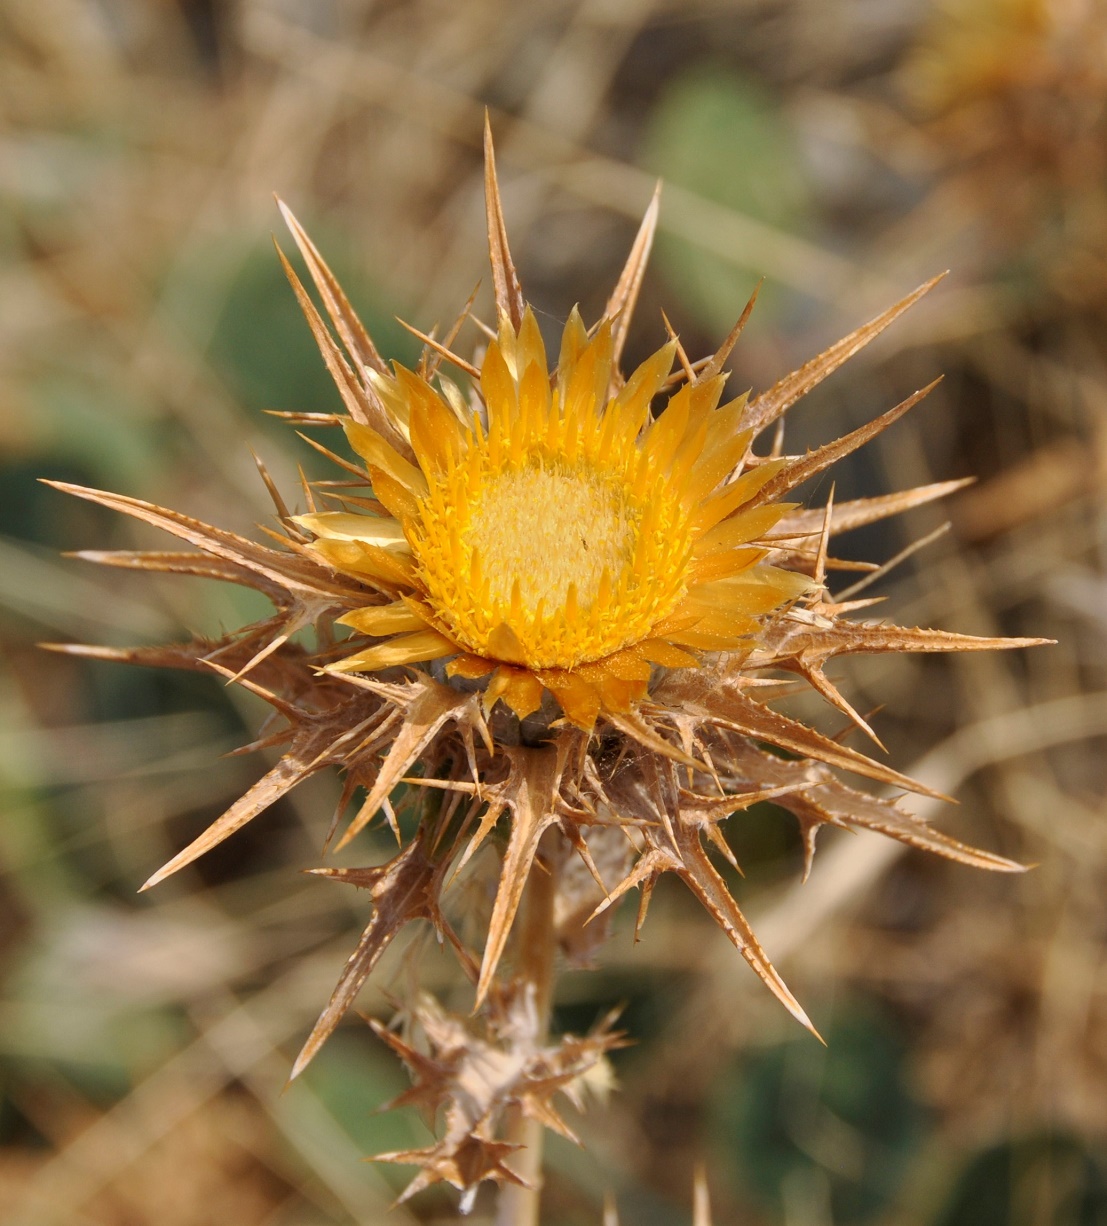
555,532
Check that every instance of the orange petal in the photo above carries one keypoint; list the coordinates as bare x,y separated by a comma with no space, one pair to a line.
469,666
617,695
521,690
503,643
627,665
659,651
577,698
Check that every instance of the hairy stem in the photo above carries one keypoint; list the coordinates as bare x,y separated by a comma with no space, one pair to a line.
518,1206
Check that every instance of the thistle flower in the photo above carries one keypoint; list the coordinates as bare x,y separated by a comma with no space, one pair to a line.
569,615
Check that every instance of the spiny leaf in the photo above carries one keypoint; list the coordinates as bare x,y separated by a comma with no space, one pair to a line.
505,280
715,366
834,803
182,563
402,890
624,297
318,740
530,793
814,462
862,511
297,574
358,342
811,643
699,874
360,402
427,706
726,705
764,409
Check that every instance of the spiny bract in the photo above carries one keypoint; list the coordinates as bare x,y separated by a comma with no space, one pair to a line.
568,614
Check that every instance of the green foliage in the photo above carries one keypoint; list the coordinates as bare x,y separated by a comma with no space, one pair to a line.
1045,1178
812,1129
722,136
355,1076
260,341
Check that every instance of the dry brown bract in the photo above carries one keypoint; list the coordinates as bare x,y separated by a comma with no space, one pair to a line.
617,746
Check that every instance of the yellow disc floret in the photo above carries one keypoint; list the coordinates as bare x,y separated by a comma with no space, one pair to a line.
548,564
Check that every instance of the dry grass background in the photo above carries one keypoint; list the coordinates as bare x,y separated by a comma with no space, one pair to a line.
145,1041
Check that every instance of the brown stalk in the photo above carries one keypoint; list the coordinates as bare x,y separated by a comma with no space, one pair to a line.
519,1203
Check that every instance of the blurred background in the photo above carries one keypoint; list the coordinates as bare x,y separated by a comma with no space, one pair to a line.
846,152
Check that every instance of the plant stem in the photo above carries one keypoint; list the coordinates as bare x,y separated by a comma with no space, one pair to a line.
518,1206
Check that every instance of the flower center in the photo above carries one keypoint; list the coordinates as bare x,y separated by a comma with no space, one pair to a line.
546,529
548,562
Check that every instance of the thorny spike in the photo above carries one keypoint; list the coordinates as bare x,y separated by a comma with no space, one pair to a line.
905,553
455,328
350,388
283,513
819,681
505,280
764,409
862,511
530,794
305,486
682,356
814,462
401,890
348,465
430,706
624,297
824,541
699,875
358,342
701,1202
715,366
441,348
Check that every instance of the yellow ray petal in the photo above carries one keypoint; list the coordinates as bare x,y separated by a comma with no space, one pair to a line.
379,620
732,496
405,649
435,434
368,562
499,391
344,526
374,450
741,527
394,496
724,563
720,455
529,349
